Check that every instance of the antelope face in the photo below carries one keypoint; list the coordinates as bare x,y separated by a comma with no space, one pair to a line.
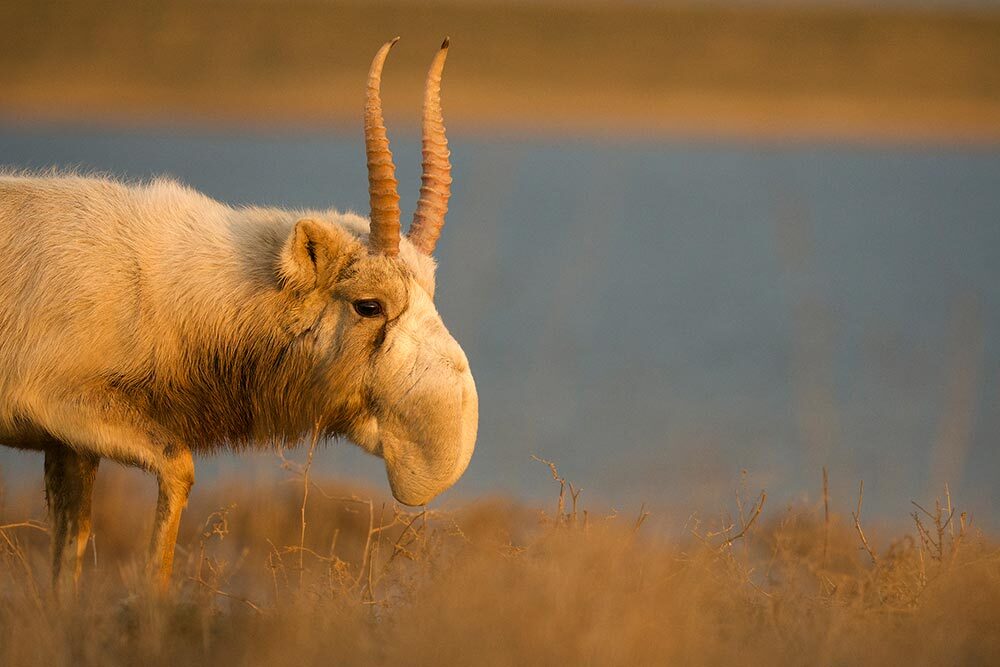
420,409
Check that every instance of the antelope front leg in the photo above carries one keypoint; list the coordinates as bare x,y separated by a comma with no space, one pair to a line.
69,486
175,476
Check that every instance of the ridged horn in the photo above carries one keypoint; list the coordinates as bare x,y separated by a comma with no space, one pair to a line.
435,189
383,190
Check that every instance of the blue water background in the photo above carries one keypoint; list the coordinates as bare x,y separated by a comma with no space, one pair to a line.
658,316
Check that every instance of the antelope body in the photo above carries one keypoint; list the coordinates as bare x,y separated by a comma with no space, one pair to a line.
146,323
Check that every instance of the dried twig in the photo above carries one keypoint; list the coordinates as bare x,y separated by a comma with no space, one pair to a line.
376,548
34,525
826,516
932,543
273,563
574,494
305,500
398,547
857,525
753,518
561,505
643,514
947,495
19,554
366,552
216,591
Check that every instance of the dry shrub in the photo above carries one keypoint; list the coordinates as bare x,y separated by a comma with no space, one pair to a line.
274,576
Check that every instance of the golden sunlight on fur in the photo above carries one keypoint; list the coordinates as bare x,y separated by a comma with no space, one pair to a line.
145,323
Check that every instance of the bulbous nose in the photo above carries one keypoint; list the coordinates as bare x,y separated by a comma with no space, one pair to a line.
470,425
439,447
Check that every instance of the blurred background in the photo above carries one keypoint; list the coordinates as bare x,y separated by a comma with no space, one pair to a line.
686,240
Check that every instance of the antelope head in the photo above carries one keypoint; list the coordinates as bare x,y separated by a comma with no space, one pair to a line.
412,400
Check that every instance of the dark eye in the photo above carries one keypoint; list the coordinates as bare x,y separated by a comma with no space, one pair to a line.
368,308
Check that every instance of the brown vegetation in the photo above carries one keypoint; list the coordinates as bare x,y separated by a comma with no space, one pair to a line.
297,574
615,68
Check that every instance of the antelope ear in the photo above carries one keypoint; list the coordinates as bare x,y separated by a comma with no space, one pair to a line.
309,255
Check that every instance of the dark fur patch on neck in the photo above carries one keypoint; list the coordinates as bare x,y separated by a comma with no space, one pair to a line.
247,396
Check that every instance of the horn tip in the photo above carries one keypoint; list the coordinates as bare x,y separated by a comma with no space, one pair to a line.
446,43
392,42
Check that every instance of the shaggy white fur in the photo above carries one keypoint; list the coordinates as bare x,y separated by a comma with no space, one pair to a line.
144,322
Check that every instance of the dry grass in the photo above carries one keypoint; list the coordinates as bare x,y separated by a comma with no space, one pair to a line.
277,575
774,69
